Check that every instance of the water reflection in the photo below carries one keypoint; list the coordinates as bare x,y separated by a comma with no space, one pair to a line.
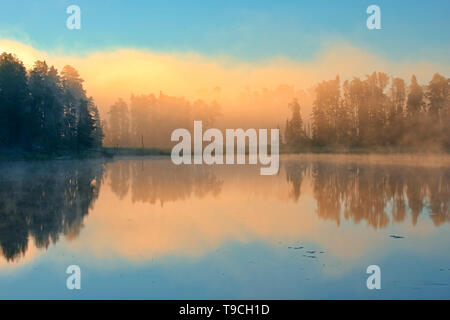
160,181
209,205
376,194
44,201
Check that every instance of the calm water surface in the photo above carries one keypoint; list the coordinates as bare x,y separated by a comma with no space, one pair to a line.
145,228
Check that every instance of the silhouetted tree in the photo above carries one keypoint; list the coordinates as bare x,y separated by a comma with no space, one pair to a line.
42,110
46,105
294,131
14,111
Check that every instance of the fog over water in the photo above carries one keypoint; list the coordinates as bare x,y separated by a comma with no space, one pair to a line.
145,228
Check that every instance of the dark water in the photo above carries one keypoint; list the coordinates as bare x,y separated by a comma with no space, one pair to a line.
144,228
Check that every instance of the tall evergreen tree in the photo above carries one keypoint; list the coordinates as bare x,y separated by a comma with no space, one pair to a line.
294,133
14,111
44,111
46,105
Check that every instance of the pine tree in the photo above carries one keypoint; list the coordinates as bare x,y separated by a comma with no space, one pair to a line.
295,134
14,111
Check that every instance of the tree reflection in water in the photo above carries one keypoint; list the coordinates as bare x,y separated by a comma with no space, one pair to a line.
44,200
376,194
161,181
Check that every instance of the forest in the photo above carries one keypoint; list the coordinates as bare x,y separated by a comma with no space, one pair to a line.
371,113
42,110
148,120
358,113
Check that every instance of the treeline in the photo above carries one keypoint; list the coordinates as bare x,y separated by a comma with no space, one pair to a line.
376,111
148,120
43,110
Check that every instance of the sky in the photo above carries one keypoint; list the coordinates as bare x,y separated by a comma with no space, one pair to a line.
249,30
185,47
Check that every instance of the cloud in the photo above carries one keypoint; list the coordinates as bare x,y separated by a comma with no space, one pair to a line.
122,72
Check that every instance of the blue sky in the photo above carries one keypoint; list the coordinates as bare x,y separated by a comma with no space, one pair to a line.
245,29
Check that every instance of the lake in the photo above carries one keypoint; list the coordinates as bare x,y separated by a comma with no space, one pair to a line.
143,228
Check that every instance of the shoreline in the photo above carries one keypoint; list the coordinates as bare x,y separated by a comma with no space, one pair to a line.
323,152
